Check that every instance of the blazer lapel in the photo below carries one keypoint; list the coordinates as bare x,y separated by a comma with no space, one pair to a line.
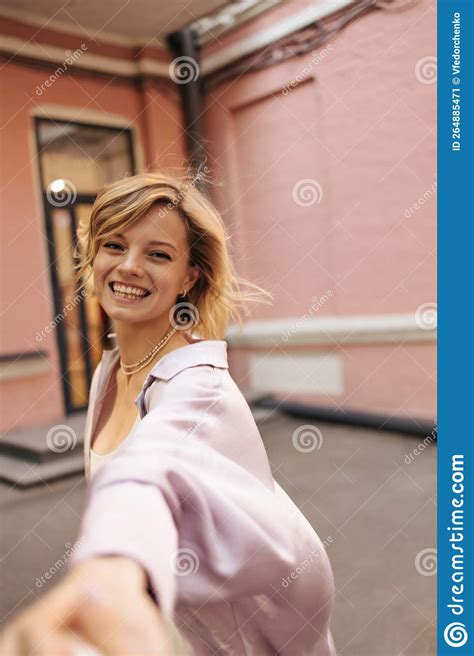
96,398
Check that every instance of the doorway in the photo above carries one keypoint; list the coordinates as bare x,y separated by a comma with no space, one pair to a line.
76,160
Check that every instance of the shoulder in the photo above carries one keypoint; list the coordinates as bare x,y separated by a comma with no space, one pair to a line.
203,401
190,387
188,374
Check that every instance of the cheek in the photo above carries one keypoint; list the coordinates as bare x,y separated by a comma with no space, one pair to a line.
99,269
101,263
165,275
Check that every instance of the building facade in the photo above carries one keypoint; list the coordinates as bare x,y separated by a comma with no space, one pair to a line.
319,132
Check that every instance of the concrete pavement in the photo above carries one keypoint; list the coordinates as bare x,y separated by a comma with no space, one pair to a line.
365,490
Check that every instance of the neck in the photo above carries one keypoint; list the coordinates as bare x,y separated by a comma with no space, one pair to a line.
135,340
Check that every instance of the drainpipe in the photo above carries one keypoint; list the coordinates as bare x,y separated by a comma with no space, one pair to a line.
184,46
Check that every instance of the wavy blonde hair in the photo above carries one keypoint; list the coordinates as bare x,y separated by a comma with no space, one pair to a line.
219,294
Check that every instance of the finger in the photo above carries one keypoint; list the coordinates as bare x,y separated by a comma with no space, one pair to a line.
104,626
115,630
9,643
41,642
50,613
41,624
81,648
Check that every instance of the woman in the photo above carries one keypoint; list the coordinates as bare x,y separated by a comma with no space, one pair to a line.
184,521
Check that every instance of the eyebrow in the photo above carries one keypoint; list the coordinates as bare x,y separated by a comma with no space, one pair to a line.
154,241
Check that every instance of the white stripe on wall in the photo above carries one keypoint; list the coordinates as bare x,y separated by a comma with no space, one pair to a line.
331,330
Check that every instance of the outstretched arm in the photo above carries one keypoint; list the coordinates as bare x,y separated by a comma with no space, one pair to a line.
101,602
167,497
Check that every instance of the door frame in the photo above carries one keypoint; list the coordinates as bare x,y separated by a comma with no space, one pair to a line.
48,208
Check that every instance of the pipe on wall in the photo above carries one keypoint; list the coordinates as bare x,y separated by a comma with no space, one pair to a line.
187,69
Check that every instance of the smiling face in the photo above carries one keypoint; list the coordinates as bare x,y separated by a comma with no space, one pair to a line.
140,270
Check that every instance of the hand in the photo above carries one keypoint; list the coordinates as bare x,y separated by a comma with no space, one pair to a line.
102,601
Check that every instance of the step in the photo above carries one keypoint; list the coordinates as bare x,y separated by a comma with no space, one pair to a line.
23,473
254,397
42,443
36,456
263,416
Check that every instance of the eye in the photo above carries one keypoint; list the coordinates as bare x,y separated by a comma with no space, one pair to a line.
112,244
161,254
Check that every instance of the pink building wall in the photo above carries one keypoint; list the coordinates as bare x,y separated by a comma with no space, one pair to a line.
363,126
360,124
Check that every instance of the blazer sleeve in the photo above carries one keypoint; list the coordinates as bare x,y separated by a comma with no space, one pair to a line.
202,526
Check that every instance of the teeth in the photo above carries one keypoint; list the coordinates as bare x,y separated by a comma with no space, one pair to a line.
128,292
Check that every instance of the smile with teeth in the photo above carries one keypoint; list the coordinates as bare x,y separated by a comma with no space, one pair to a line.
128,291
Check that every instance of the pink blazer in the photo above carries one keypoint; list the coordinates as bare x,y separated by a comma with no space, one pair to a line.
190,495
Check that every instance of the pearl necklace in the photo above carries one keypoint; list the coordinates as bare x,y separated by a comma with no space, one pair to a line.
129,369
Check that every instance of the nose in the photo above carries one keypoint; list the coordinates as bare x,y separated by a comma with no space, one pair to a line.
130,264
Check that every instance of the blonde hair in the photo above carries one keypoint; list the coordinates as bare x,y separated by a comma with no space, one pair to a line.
219,294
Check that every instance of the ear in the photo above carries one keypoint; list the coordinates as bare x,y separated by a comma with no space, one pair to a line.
192,277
